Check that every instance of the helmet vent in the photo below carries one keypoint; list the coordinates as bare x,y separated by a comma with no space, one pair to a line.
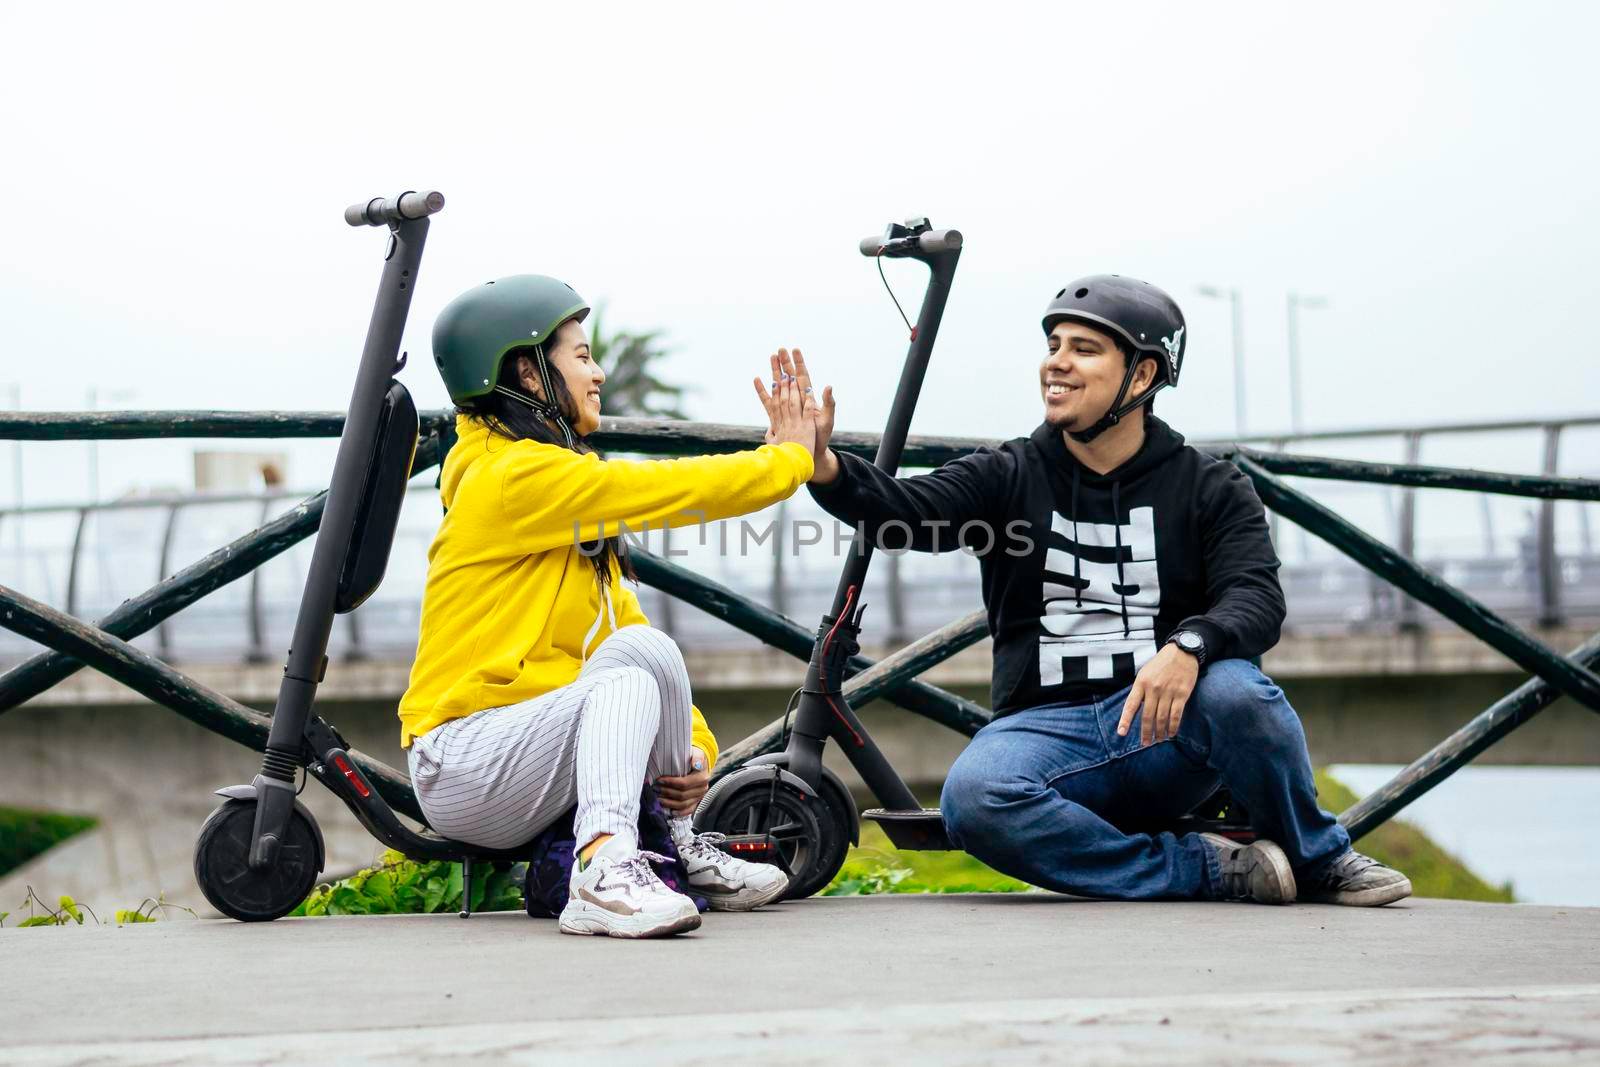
1081,293
1061,294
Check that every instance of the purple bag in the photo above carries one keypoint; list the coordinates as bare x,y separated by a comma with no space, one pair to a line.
544,890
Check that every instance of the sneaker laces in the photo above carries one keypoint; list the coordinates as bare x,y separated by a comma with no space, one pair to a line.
1346,868
637,869
705,846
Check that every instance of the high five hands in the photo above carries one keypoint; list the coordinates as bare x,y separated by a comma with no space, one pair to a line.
790,373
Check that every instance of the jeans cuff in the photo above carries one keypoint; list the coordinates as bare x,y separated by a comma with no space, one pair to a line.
1213,869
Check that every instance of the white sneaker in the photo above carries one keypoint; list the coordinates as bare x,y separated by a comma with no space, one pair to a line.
619,895
728,884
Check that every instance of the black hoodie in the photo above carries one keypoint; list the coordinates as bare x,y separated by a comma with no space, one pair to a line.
1084,574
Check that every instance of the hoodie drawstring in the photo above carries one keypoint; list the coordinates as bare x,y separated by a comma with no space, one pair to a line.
1116,524
604,611
1077,545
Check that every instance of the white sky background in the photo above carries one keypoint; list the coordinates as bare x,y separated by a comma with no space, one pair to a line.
175,177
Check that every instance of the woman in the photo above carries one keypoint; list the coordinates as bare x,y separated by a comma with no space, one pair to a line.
538,683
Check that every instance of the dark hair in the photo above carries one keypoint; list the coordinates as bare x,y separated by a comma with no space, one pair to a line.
517,421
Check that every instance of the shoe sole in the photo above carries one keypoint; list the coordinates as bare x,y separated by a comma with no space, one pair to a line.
585,919
744,899
1375,897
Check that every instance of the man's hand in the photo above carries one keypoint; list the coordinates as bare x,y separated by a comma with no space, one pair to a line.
680,794
1162,688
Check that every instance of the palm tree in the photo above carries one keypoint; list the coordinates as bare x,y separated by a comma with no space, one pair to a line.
632,387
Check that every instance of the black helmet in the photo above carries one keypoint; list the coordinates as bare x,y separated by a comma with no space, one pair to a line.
1141,317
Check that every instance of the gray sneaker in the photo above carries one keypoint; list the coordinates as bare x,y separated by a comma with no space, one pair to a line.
1258,872
1359,881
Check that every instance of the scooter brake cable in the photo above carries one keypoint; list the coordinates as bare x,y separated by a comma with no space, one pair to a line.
897,307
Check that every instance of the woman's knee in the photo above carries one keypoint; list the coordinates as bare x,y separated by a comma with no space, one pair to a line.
626,690
652,649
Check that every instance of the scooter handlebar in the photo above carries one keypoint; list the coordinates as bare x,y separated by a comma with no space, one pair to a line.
928,243
381,212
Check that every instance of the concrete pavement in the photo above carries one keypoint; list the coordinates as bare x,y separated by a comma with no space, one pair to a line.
952,979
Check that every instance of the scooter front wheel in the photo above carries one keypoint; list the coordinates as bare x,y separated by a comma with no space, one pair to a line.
812,834
222,864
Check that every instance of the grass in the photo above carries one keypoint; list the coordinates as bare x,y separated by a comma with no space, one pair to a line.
25,834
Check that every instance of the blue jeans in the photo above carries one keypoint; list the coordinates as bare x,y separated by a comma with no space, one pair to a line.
1053,796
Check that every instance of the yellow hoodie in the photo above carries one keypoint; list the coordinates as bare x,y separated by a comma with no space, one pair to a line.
511,607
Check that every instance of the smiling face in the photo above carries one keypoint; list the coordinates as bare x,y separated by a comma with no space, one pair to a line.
1081,374
568,354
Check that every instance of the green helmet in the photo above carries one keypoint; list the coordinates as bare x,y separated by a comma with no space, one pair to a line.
474,332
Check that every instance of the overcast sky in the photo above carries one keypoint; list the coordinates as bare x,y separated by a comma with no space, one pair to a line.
176,175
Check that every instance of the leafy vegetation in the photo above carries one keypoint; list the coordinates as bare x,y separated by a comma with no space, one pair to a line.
25,834
69,912
401,886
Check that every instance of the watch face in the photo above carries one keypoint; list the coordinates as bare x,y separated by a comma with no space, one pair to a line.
1190,642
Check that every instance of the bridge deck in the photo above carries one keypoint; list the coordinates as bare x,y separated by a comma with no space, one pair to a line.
1032,979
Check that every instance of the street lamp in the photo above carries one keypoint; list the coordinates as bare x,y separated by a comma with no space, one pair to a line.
1296,302
1232,295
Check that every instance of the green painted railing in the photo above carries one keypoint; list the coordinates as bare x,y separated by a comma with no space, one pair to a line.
104,645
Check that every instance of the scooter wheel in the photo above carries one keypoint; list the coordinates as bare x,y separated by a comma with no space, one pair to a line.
222,864
812,836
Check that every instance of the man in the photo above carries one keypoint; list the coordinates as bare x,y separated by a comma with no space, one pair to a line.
1130,580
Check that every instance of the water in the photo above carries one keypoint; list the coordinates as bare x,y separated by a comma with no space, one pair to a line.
1535,827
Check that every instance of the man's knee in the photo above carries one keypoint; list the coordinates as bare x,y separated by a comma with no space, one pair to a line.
977,800
1236,700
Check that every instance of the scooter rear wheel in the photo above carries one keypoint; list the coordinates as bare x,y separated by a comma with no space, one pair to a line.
222,864
813,835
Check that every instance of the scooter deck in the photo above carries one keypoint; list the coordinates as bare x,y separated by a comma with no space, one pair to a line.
918,829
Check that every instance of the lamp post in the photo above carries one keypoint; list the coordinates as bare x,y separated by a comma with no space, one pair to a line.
1232,295
1296,302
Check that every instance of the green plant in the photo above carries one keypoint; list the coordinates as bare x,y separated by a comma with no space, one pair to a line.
25,834
69,911
876,867
403,886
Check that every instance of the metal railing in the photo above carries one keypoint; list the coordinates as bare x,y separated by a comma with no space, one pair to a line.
106,645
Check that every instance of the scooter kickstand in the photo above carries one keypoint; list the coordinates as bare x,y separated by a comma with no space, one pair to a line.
466,887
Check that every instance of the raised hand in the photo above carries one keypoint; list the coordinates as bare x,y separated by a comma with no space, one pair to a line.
789,417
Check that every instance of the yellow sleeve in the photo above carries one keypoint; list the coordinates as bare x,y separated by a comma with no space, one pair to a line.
629,613
554,497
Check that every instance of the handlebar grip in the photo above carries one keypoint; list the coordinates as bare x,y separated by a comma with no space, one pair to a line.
381,212
936,241
928,243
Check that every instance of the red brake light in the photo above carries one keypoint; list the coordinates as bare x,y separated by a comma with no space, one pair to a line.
349,772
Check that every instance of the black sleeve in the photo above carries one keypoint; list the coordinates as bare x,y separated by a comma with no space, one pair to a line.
1244,612
928,510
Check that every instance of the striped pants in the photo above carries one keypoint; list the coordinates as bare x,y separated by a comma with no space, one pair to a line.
499,777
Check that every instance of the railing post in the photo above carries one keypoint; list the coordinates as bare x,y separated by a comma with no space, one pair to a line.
1548,563
72,565
163,628
897,600
669,606
1407,534
257,652
779,595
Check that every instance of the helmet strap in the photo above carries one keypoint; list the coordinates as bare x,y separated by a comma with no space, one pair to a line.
1118,409
549,410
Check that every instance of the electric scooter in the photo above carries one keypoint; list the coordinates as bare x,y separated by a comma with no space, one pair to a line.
785,807
259,853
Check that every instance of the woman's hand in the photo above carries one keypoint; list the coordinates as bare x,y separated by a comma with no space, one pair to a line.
680,794
789,416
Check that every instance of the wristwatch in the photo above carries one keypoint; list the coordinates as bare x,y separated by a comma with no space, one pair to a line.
1191,643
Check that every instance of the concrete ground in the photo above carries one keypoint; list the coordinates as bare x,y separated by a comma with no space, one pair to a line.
1036,978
